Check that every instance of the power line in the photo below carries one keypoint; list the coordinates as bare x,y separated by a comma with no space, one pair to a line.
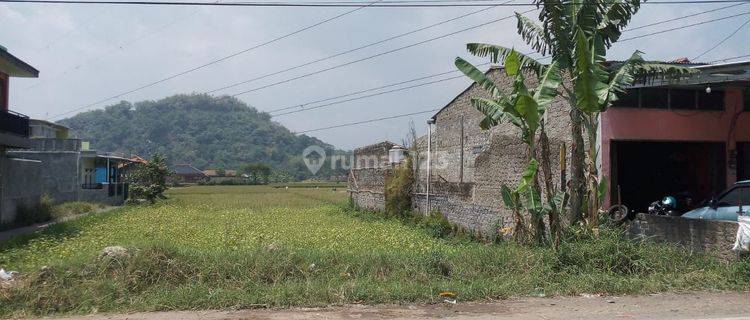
730,58
356,49
227,57
428,40
369,90
331,5
367,121
425,111
687,16
723,40
432,82
375,55
370,95
684,27
114,48
443,36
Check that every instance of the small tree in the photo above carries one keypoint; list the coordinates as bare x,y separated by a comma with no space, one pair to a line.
259,172
149,180
523,108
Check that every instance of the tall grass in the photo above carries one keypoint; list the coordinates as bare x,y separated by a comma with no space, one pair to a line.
243,247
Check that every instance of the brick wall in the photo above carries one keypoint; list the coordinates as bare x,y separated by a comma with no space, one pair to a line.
713,237
485,159
366,187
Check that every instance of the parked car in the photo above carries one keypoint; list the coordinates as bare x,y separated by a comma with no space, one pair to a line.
728,206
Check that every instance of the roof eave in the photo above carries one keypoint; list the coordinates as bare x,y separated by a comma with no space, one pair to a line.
14,67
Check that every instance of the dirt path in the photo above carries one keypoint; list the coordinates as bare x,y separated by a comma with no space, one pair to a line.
7,234
734,306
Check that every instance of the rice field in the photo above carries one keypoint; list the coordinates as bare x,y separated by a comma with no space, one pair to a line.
217,247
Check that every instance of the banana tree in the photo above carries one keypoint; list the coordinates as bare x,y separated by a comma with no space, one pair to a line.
523,108
577,34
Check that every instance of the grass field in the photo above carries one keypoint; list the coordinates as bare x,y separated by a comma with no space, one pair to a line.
258,246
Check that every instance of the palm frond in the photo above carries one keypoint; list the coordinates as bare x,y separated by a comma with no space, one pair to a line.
623,76
533,34
498,54
588,15
478,76
492,111
588,80
546,92
616,17
558,28
647,72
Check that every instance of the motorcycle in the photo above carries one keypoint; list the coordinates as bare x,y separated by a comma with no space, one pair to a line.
673,206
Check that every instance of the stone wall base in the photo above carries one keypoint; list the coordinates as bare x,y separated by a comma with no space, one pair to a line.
713,237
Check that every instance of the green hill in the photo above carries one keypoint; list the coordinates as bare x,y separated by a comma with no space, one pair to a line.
205,131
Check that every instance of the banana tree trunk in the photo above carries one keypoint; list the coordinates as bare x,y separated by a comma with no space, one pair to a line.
554,219
577,163
593,171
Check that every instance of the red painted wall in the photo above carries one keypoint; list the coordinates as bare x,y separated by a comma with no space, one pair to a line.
682,125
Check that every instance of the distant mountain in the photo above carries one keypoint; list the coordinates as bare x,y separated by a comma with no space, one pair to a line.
205,131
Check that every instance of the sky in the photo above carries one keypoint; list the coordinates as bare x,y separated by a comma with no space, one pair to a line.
87,53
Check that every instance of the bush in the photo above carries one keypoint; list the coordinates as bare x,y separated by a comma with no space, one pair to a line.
149,181
398,190
28,215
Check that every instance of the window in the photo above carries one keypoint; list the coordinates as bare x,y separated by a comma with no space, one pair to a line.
746,99
655,98
711,101
734,197
629,99
682,99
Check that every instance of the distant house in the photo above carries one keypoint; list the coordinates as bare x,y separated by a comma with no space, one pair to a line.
210,173
225,176
185,173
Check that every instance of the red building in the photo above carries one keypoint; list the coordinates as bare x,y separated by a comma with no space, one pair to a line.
690,136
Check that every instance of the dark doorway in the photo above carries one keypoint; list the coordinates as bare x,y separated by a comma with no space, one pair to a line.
647,171
743,161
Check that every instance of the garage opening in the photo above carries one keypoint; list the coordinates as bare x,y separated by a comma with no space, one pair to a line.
743,161
645,171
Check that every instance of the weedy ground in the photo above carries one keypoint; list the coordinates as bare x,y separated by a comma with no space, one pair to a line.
218,247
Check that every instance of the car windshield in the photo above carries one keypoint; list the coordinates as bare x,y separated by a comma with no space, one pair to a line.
735,197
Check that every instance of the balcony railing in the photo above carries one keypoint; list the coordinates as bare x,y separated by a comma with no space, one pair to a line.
15,123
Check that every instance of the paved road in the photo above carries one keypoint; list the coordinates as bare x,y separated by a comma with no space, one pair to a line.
725,306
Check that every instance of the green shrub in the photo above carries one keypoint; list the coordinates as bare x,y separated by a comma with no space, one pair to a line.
28,215
398,189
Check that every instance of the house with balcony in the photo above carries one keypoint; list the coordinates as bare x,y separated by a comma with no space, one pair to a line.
19,187
72,171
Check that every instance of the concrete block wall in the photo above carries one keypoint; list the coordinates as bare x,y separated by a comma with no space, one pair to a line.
59,175
491,158
476,217
366,187
19,186
713,237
